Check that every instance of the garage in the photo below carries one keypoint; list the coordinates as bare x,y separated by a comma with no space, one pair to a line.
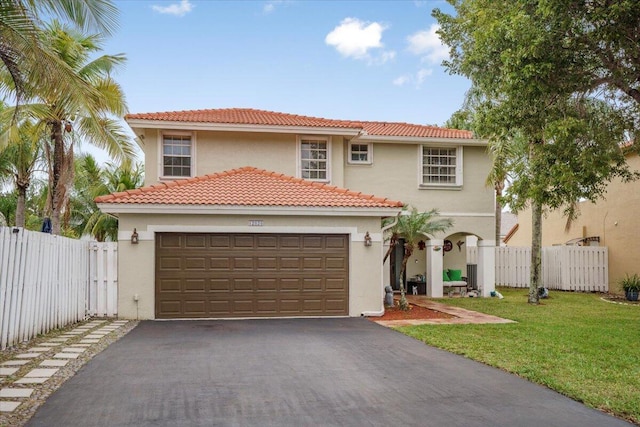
248,243
226,275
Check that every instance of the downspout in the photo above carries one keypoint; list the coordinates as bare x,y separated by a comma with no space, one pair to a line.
381,312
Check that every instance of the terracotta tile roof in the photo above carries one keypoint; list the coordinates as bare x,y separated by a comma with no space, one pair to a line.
247,116
408,129
248,186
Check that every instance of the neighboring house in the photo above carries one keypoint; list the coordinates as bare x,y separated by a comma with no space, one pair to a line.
509,221
612,222
263,224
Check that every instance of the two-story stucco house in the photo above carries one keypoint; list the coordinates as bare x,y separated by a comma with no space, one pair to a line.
250,213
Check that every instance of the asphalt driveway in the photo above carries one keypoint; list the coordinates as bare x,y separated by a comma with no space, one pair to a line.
303,372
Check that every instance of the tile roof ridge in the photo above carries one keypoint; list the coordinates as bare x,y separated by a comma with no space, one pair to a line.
328,191
387,122
348,123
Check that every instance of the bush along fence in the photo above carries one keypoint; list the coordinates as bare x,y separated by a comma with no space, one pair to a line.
48,282
568,268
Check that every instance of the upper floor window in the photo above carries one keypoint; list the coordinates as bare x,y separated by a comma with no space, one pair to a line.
441,166
360,153
177,155
314,158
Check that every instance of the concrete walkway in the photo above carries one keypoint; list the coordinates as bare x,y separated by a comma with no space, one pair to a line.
462,316
297,372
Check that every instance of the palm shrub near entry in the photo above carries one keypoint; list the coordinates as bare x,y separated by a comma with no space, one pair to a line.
631,286
414,226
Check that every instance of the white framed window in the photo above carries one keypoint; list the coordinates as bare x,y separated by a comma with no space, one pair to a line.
360,153
440,166
177,155
314,155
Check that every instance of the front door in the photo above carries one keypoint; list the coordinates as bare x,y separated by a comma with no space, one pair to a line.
395,263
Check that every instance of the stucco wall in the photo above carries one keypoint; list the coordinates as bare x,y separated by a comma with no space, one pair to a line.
394,173
615,220
137,262
220,151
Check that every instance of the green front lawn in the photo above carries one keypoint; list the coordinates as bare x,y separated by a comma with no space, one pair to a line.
573,343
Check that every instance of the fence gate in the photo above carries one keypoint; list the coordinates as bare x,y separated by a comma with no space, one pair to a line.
48,282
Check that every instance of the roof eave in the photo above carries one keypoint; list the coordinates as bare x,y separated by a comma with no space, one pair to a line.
171,209
422,140
229,127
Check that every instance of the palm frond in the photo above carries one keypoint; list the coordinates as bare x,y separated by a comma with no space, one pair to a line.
94,15
109,135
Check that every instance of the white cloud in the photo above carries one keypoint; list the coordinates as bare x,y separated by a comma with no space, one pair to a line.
270,5
415,79
177,9
423,74
354,39
428,44
385,56
402,80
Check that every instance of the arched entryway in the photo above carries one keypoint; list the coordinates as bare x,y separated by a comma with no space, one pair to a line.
466,253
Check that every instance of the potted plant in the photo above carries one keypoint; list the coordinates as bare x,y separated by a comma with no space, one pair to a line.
631,286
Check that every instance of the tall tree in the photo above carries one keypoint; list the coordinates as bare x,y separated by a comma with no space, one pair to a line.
516,55
413,226
67,119
8,202
29,63
93,180
18,161
500,151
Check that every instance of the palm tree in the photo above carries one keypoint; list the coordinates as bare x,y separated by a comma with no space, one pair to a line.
413,226
30,65
8,202
92,181
18,161
68,119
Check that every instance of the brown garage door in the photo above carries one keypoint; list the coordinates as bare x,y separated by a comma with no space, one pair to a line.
202,275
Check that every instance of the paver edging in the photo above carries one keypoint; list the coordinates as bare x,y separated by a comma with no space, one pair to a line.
27,408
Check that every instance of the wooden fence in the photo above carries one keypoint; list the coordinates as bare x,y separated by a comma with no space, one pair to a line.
47,282
569,268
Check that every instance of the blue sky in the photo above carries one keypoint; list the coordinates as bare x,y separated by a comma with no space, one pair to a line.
357,60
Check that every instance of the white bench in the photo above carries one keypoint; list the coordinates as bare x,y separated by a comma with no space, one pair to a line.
460,284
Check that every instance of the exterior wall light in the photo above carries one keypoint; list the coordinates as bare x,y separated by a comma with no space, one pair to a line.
134,237
367,239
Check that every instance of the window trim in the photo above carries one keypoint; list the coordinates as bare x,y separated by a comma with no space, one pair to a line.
459,168
369,160
161,135
300,139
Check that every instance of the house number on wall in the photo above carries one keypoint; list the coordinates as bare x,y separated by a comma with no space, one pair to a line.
256,223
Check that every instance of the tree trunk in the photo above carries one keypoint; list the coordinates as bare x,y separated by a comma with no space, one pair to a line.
404,305
20,206
392,244
536,245
498,212
57,189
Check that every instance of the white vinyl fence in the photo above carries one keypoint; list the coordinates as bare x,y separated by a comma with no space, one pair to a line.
47,282
569,268
102,297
